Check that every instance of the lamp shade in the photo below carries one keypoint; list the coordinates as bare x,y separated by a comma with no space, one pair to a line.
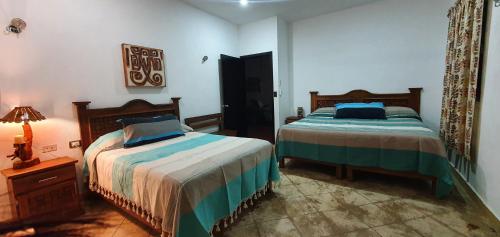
17,115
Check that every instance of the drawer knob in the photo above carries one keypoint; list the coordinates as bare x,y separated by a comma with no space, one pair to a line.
47,179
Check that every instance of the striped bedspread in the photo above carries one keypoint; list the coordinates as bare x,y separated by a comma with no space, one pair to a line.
398,144
187,184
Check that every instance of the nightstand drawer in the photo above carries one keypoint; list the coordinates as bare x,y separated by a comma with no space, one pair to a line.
36,181
59,197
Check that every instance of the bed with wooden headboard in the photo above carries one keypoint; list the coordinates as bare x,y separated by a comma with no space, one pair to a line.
189,173
94,123
400,145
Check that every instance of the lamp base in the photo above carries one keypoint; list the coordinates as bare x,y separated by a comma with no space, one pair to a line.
25,164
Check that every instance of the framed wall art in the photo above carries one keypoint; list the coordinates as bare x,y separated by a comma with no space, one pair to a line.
143,66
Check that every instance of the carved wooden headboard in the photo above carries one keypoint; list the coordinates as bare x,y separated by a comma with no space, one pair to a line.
97,122
411,99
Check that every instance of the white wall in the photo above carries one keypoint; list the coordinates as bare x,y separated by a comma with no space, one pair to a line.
259,37
283,70
485,178
70,51
385,47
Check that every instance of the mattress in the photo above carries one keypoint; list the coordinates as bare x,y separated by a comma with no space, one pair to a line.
185,185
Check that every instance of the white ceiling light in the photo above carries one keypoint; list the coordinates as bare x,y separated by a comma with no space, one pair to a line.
244,2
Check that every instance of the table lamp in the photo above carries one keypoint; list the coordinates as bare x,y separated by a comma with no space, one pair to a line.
23,152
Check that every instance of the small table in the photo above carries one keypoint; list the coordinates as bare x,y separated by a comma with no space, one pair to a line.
44,192
292,119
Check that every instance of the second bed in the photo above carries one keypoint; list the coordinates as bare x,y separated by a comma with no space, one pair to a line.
399,145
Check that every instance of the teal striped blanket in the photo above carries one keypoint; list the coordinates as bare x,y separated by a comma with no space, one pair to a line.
185,185
399,143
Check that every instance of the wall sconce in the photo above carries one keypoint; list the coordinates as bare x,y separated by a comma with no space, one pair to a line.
17,25
204,59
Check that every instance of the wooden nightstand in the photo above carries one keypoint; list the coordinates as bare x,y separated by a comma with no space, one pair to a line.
292,119
45,192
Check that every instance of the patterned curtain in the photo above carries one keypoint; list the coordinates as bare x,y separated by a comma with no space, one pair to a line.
462,72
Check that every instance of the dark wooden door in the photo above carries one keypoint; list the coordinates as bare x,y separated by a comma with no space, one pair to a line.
233,93
259,99
247,95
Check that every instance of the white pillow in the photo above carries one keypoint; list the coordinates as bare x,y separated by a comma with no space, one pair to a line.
186,128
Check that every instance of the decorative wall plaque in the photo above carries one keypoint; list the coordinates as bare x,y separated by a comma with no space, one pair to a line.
143,67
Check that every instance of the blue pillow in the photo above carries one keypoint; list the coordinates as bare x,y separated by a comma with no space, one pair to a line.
359,105
374,110
140,131
128,121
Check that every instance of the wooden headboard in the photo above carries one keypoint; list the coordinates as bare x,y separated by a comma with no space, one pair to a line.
411,99
97,122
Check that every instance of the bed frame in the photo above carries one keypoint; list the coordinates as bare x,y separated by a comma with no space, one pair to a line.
411,99
97,122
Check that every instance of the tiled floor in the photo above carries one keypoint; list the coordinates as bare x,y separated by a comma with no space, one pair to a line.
311,202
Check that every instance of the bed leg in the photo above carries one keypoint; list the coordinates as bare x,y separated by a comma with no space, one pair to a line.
338,171
350,175
434,186
282,163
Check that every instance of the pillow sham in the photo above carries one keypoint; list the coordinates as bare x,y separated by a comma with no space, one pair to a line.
186,128
128,121
374,110
401,112
140,131
324,112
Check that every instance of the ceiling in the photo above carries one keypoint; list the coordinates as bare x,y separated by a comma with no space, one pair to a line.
289,10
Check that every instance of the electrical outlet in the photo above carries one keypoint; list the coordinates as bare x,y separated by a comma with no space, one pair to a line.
49,148
75,144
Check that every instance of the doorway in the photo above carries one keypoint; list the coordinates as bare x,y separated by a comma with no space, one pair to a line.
248,95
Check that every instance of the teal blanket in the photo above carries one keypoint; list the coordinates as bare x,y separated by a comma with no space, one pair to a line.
186,185
397,144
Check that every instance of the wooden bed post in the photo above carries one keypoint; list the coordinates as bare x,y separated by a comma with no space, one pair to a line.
434,185
415,98
175,100
338,172
314,100
83,119
350,175
282,163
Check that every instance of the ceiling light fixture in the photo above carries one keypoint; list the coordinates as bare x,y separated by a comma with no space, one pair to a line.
244,2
